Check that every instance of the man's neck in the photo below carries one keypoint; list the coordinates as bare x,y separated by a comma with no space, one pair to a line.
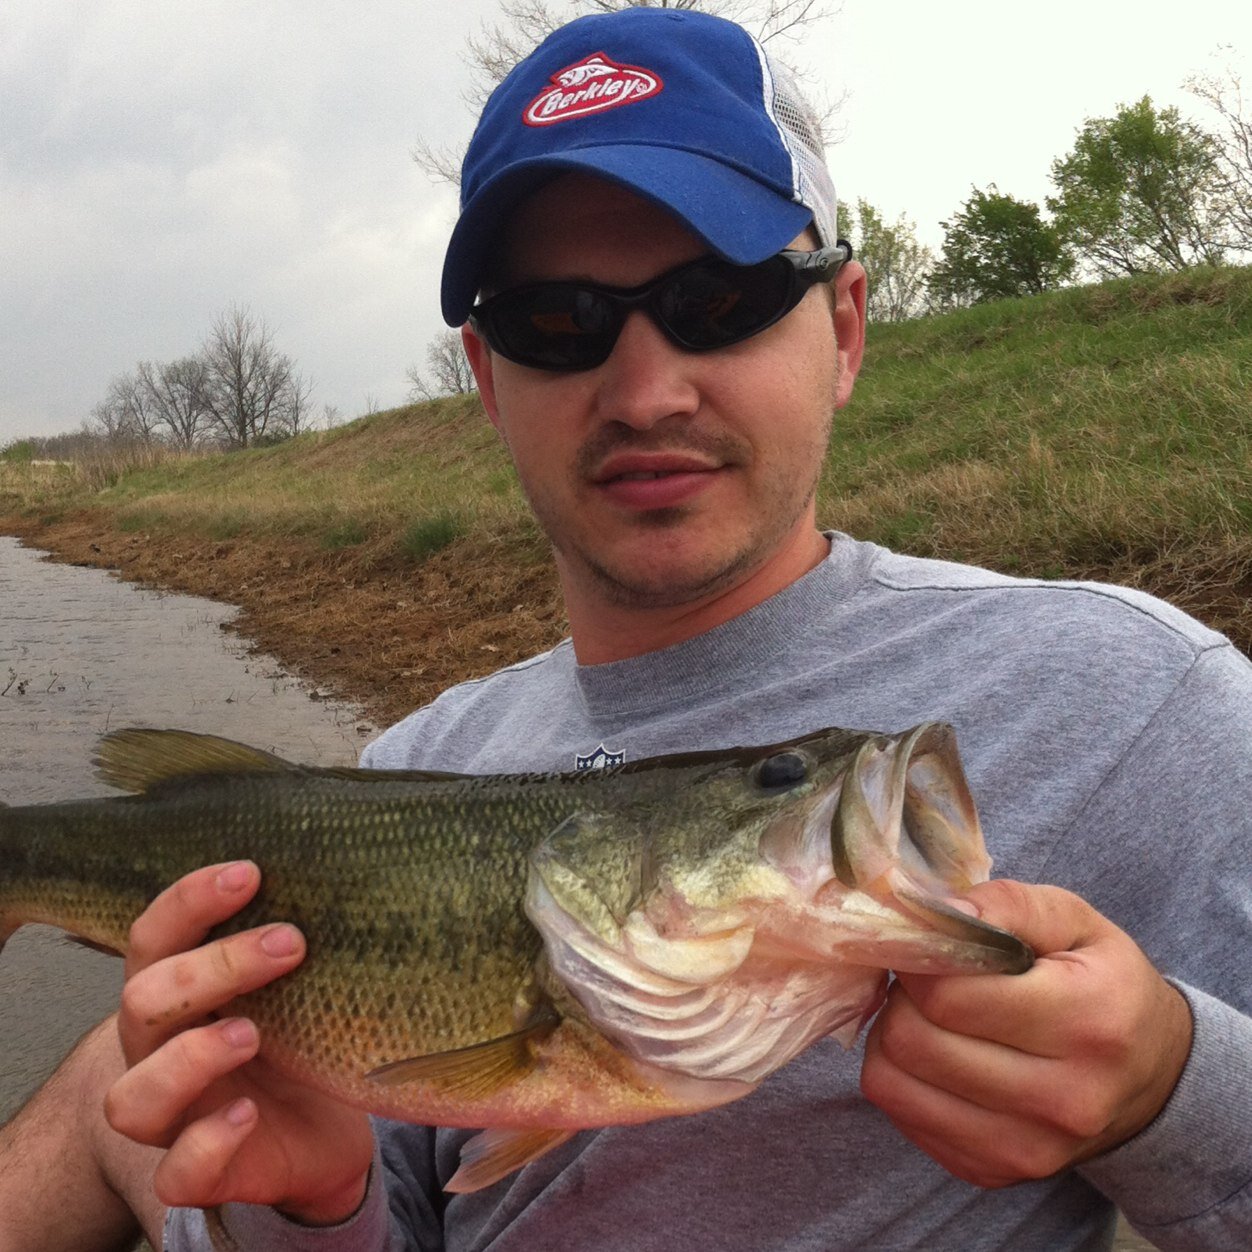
603,631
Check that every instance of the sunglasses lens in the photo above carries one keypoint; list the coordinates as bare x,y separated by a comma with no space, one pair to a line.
715,303
704,305
554,326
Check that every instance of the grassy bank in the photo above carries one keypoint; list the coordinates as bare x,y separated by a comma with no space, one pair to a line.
1098,432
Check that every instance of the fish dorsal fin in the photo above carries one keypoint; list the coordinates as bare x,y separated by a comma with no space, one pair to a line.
136,759
489,1156
472,1072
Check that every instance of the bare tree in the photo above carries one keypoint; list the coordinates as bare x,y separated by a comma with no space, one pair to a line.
1224,95
178,394
492,53
298,415
449,367
253,390
126,414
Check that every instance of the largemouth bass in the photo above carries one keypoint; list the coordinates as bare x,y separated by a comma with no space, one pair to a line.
538,954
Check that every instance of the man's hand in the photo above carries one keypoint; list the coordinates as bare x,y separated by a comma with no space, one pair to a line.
1003,1078
234,1128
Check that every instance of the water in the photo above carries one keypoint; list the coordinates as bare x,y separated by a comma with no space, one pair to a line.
80,654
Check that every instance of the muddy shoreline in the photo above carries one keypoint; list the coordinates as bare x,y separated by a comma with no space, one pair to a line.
388,637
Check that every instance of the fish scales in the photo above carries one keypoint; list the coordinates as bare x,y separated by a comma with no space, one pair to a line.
535,954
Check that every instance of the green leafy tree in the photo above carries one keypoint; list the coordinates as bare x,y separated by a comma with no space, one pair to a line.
897,264
996,247
1141,191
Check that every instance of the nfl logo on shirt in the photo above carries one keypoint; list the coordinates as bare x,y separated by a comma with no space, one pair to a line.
600,758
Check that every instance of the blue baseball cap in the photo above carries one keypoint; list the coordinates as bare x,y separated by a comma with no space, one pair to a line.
685,109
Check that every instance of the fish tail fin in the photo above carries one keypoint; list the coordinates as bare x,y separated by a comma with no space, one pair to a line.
489,1156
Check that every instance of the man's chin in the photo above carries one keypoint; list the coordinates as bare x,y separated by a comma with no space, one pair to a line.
663,581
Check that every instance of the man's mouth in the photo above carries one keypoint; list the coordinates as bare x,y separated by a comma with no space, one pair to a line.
657,481
648,467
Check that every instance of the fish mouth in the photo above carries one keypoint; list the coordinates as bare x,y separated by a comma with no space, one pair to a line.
905,832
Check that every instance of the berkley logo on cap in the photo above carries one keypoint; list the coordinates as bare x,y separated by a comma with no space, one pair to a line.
591,85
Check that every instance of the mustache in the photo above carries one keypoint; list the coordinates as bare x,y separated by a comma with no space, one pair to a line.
719,446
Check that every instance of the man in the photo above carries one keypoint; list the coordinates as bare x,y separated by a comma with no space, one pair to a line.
664,382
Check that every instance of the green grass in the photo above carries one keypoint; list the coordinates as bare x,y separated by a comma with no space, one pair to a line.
1085,430
428,535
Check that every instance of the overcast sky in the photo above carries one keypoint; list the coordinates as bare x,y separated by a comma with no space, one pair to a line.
161,160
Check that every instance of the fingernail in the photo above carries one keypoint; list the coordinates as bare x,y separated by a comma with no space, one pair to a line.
234,877
241,1112
239,1032
280,941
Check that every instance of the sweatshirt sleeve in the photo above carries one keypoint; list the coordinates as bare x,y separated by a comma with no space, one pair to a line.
253,1226
396,1215
1164,850
1185,1182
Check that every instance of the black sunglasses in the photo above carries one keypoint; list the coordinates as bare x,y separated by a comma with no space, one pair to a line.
701,305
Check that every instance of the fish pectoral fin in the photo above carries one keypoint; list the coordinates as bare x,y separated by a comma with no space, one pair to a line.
471,1072
137,759
489,1156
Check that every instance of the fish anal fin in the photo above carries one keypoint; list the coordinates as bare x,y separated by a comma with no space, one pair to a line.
472,1072
137,759
489,1156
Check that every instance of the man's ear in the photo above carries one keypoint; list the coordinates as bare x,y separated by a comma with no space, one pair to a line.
849,317
482,363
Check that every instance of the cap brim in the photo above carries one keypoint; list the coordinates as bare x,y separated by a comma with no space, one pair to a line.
738,217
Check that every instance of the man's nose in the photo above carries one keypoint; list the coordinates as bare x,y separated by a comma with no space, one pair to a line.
646,378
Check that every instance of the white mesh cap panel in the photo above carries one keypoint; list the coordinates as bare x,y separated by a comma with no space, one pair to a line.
801,133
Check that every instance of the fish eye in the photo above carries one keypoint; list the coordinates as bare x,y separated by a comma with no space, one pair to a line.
783,769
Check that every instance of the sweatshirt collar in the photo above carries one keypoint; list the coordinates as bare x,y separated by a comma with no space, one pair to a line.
735,653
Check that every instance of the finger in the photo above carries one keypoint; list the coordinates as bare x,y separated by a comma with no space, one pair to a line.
1041,1010
183,989
196,1172
981,1071
1048,918
149,1102
1071,1097
986,1146
183,914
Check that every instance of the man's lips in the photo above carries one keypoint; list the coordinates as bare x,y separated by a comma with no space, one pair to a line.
655,480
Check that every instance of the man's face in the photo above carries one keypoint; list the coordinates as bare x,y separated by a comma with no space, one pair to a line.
662,477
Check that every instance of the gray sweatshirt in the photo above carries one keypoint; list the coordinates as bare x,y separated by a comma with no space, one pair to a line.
1106,737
